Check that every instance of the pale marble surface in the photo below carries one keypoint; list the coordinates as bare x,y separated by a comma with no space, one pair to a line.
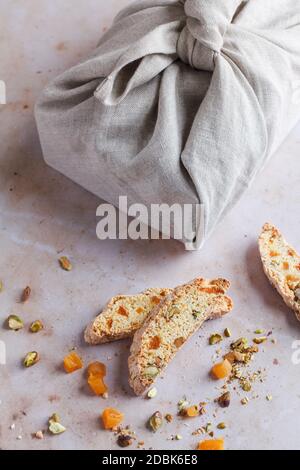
43,214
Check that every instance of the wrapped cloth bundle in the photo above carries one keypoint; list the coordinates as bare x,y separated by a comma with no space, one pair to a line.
182,102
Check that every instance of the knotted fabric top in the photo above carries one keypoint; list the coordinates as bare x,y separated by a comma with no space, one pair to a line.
192,30
203,35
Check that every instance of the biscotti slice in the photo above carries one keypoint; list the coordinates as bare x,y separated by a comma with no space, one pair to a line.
281,264
170,325
123,315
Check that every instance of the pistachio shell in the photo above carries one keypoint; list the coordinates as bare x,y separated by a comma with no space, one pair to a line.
246,386
15,323
156,421
36,326
31,358
65,263
214,339
227,332
240,344
56,428
182,404
221,426
260,340
152,393
55,417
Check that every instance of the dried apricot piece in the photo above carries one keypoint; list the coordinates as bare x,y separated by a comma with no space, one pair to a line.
97,368
221,370
111,418
211,444
192,411
122,311
291,278
154,342
97,385
96,371
72,362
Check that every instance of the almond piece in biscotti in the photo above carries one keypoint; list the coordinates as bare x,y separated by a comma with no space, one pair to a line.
281,264
169,326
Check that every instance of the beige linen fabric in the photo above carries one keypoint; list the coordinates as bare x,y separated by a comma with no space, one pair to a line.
181,102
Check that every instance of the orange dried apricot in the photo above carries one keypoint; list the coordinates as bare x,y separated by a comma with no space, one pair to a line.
291,278
72,362
97,384
211,444
154,342
96,371
285,265
97,368
192,411
122,311
221,370
111,418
